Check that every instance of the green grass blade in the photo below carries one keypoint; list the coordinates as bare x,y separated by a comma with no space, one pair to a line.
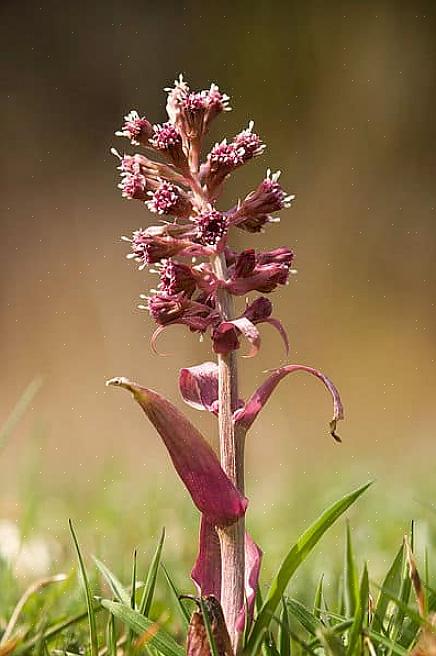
392,582
118,590
150,582
318,600
54,631
297,554
88,594
351,581
333,645
111,639
354,642
408,612
404,593
207,626
284,636
307,620
133,584
153,635
393,647
184,613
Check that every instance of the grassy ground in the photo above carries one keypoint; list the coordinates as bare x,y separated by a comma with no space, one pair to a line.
110,522
345,585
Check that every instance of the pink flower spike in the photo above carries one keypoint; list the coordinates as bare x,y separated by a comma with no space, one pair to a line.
193,458
257,401
199,386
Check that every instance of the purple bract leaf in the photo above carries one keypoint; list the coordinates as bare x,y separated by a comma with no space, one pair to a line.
256,402
253,560
277,324
206,572
194,459
225,336
199,386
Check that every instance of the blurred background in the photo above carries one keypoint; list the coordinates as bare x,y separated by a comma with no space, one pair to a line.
343,93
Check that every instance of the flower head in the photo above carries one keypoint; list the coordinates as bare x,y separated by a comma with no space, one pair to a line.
225,157
211,228
254,211
168,198
148,249
192,111
137,129
261,272
176,277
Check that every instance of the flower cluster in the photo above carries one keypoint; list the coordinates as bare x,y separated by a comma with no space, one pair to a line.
200,279
183,188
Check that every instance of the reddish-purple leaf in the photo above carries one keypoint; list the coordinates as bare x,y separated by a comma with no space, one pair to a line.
224,336
206,572
199,386
277,324
256,402
253,560
194,459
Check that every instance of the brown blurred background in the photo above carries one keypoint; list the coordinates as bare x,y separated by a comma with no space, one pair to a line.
343,93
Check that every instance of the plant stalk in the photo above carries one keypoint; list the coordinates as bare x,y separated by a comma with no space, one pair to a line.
232,443
232,446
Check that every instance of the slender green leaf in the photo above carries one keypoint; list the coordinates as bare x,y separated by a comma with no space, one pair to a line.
297,554
351,582
408,612
184,613
255,649
111,639
133,589
54,630
307,619
151,632
318,600
150,581
270,645
331,642
392,582
404,593
118,590
394,647
284,636
296,640
338,629
88,594
357,628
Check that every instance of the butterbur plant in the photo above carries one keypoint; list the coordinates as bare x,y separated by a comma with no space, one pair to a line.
204,284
